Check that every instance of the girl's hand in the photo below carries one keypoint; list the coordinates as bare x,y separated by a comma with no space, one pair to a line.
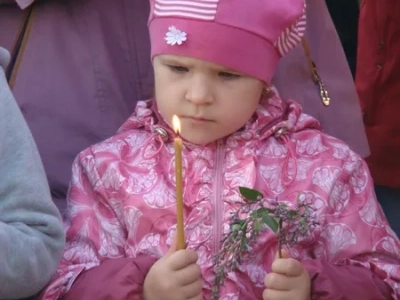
175,276
289,280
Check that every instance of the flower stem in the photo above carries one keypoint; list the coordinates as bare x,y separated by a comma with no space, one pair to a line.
280,238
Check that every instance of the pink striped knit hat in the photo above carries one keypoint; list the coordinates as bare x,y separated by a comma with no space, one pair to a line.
248,36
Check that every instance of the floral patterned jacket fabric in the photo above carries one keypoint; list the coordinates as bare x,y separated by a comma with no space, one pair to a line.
122,201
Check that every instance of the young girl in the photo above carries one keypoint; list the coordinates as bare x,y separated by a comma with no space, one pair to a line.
213,62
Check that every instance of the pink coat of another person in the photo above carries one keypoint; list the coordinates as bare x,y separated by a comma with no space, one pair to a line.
83,67
84,64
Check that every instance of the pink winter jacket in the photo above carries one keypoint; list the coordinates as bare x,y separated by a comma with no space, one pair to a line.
122,208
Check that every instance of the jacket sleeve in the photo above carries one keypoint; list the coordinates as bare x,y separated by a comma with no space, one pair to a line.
96,241
113,279
31,231
357,253
331,282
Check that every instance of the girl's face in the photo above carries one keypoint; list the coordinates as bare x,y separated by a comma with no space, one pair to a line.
210,100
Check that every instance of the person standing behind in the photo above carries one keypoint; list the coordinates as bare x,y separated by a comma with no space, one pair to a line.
31,231
378,86
78,68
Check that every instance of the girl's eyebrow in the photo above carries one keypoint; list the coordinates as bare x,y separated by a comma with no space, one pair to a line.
170,60
173,60
230,71
227,70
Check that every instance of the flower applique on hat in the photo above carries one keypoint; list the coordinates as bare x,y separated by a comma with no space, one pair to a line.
175,36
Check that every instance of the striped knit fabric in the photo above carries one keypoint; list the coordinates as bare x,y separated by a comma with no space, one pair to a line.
292,35
197,9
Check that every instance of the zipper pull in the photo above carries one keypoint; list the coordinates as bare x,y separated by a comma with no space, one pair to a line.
326,100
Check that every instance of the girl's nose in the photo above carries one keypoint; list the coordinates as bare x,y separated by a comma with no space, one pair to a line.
199,92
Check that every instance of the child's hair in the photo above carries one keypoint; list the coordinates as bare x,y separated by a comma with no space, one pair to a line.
248,36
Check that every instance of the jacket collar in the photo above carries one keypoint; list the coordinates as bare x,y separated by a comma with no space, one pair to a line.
274,116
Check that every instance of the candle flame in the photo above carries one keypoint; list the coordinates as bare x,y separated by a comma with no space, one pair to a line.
176,123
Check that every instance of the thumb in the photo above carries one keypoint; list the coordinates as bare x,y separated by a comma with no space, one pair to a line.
285,254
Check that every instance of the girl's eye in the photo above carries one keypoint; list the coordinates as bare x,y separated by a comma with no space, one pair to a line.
178,69
227,75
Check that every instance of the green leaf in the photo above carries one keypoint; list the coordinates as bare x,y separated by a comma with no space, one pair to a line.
292,213
257,225
259,212
236,227
250,194
255,214
270,221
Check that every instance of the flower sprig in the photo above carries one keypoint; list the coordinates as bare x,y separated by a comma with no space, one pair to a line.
254,216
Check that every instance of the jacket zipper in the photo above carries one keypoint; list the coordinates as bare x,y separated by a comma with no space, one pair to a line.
19,47
218,201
